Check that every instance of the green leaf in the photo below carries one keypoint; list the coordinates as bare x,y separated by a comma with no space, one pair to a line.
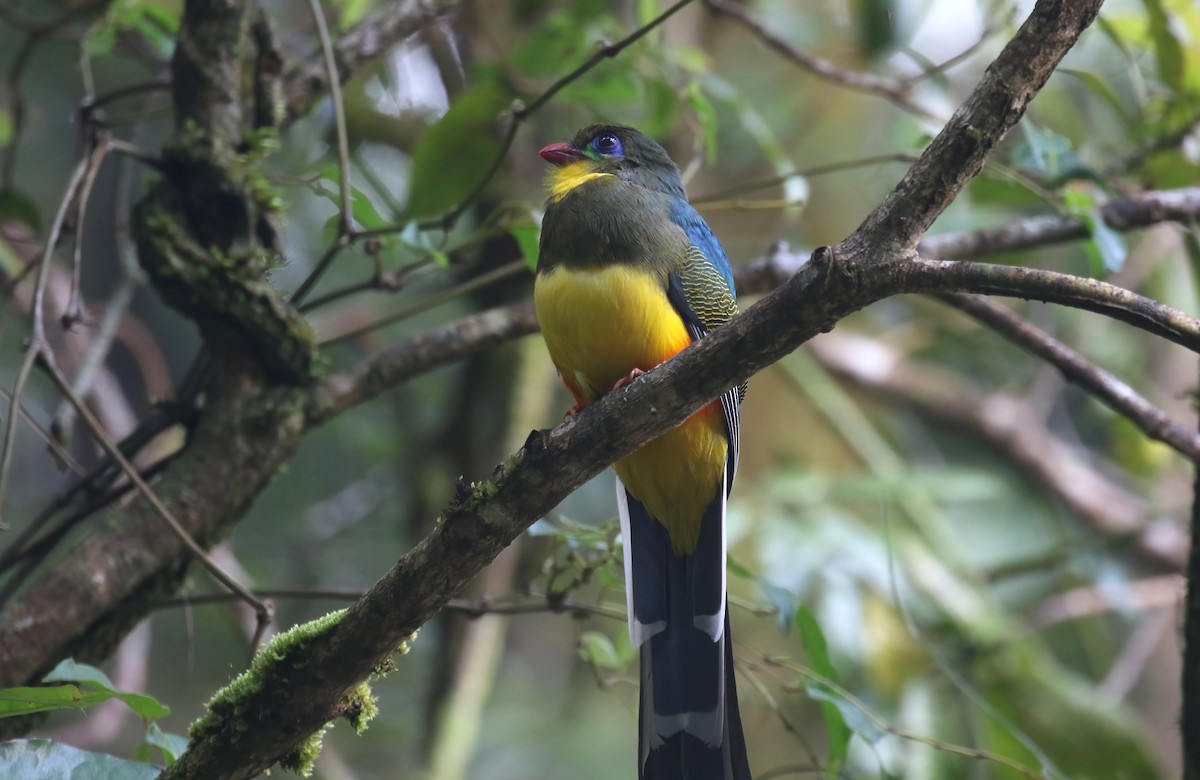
1108,243
69,670
598,650
15,205
351,12
737,569
170,745
26,701
1106,250
661,101
363,210
100,40
616,85
876,31
782,599
990,188
817,652
527,237
1048,154
158,26
6,128
1103,90
44,759
1168,52
852,714
645,11
554,49
815,647
452,157
607,576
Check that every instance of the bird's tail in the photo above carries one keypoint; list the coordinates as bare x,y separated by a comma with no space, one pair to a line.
689,725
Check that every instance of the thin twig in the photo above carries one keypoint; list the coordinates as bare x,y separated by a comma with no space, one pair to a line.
475,283
95,481
346,218
1006,423
114,310
390,281
60,453
1145,594
988,31
38,336
891,89
118,146
74,310
262,610
33,551
883,724
1115,394
123,92
808,173
346,231
517,113
17,107
607,51
472,608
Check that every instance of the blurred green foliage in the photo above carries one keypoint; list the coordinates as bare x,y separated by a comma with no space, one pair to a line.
889,563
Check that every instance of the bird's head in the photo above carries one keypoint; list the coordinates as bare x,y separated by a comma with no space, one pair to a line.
610,150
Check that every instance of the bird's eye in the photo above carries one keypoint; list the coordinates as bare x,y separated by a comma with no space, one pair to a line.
607,143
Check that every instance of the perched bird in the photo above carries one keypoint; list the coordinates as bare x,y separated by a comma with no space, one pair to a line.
628,275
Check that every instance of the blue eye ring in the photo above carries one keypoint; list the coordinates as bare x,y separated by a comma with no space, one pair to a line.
608,144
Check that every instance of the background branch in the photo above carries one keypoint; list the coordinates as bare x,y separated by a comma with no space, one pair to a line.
486,517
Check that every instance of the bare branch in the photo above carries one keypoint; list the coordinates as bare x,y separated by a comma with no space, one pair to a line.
998,102
891,89
1007,424
38,336
1151,593
1119,396
485,517
477,332
1127,213
262,610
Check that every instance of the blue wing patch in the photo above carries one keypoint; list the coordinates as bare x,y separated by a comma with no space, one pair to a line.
701,290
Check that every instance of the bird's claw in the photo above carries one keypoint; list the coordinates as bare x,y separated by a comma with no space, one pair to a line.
627,380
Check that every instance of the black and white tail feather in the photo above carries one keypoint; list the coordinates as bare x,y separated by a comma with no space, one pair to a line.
689,724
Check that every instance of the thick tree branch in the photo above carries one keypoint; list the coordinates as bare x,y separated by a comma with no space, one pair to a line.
958,152
484,518
477,332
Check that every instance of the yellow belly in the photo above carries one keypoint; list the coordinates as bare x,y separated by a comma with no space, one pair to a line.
600,324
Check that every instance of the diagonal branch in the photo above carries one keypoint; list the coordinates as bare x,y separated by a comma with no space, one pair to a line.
1007,424
1075,367
894,90
484,518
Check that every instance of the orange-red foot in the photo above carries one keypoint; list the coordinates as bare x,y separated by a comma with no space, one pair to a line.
574,410
634,374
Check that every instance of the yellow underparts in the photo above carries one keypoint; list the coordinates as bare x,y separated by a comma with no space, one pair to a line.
599,325
562,179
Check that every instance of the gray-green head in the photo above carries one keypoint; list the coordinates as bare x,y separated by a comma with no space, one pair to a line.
621,151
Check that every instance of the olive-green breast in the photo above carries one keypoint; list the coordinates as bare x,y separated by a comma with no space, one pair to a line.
605,221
